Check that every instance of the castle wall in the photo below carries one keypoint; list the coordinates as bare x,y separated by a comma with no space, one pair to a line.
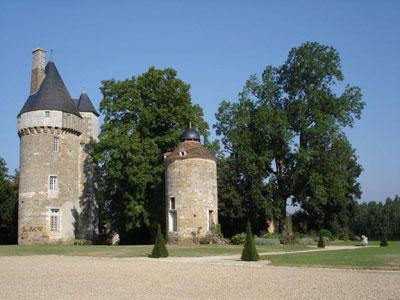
54,118
192,183
88,207
89,126
38,161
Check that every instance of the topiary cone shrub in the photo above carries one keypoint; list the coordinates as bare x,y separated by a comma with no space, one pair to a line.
384,241
321,242
249,251
159,249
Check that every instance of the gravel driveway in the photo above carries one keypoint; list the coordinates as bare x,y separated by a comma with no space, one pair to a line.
65,277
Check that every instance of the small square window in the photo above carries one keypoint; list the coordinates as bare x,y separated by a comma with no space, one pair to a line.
47,113
53,184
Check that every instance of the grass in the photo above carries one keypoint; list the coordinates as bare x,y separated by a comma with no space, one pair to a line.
136,251
363,258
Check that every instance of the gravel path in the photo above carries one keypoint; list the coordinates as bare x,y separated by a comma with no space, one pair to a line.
66,277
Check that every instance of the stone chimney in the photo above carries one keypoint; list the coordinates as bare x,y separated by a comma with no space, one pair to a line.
38,65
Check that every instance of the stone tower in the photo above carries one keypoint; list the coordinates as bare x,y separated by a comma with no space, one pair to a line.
191,189
56,198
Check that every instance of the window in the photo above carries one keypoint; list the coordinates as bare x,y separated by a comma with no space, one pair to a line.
53,184
56,144
47,113
172,203
54,219
182,153
172,221
211,223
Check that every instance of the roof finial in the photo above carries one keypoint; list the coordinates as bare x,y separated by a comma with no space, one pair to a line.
83,90
51,55
190,124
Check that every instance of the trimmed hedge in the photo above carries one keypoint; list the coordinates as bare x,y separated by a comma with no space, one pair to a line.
159,249
321,242
249,251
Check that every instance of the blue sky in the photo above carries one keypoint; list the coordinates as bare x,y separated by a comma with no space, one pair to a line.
214,46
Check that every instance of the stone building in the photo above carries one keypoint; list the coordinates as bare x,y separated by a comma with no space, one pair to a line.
56,188
191,190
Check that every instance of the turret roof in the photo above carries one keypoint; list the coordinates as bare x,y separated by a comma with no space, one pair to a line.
85,105
190,134
188,149
52,94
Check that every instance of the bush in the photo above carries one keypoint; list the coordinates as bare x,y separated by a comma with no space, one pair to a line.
273,235
238,239
384,241
205,240
306,240
321,242
344,236
267,242
249,251
326,233
82,242
289,239
159,249
218,230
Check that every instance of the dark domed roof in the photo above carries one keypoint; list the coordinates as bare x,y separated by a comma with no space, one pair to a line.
190,134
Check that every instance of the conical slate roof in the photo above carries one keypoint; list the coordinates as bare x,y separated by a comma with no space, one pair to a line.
52,94
85,105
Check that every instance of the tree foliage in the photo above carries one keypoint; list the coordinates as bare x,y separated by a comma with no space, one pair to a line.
375,219
283,140
8,205
143,118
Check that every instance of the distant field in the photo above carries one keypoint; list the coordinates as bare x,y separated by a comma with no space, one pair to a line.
363,258
135,251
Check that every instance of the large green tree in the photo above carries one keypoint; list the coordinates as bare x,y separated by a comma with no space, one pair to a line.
144,117
8,205
286,134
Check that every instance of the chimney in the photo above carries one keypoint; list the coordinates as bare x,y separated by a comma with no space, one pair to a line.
38,65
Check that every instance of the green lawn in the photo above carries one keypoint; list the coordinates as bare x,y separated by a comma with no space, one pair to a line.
364,258
132,251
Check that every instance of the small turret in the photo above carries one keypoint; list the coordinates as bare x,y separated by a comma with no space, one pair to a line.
85,105
191,189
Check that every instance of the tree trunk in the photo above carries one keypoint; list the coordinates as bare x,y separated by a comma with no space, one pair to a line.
282,217
279,163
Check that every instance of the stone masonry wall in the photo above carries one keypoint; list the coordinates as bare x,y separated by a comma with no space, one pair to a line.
38,66
38,161
193,184
88,208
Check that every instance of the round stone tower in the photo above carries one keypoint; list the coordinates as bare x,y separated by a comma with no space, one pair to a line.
50,128
191,190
